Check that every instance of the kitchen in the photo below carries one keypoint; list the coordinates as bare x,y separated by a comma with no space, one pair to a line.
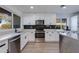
42,25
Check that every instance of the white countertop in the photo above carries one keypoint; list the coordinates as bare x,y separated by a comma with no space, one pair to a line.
8,36
71,35
58,30
29,30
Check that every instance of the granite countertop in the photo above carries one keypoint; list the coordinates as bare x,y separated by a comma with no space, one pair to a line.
71,35
8,36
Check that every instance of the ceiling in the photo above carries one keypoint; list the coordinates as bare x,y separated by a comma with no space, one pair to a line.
47,9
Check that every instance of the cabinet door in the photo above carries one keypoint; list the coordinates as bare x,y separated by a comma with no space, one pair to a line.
31,36
55,36
4,46
50,19
47,36
51,36
24,39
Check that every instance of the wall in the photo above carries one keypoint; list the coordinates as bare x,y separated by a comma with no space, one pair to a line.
29,19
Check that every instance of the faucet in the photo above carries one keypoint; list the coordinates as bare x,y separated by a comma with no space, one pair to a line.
15,30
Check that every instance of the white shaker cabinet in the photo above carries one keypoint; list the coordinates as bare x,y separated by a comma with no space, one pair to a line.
4,46
56,35
28,35
47,36
51,36
50,19
24,40
31,35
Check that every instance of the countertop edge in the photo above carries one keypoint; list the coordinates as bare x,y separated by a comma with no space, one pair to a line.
8,36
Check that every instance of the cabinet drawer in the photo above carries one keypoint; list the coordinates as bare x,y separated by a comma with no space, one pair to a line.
3,46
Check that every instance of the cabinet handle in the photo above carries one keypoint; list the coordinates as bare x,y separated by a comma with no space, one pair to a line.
49,34
2,45
52,32
46,32
31,32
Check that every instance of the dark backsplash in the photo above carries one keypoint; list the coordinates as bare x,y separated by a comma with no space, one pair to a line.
29,26
42,26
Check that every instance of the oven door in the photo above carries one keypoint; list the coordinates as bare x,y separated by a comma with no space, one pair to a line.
39,35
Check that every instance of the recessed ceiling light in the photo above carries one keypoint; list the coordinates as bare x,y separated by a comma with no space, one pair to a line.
32,7
63,6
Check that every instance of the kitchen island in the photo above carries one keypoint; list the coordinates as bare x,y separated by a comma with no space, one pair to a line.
69,42
8,40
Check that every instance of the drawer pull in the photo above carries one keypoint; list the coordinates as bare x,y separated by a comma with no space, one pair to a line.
2,45
31,32
52,32
49,34
46,32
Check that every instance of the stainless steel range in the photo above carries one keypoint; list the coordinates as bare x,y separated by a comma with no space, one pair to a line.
39,36
39,33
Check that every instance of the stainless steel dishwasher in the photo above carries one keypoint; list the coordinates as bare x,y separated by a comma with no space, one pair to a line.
14,45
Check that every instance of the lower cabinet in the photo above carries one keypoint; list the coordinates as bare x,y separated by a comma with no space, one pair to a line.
4,46
31,36
24,40
51,36
27,36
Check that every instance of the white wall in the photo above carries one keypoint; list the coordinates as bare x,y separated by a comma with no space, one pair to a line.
29,19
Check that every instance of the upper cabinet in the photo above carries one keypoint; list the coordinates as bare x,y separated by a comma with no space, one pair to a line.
49,19
5,19
62,22
16,21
